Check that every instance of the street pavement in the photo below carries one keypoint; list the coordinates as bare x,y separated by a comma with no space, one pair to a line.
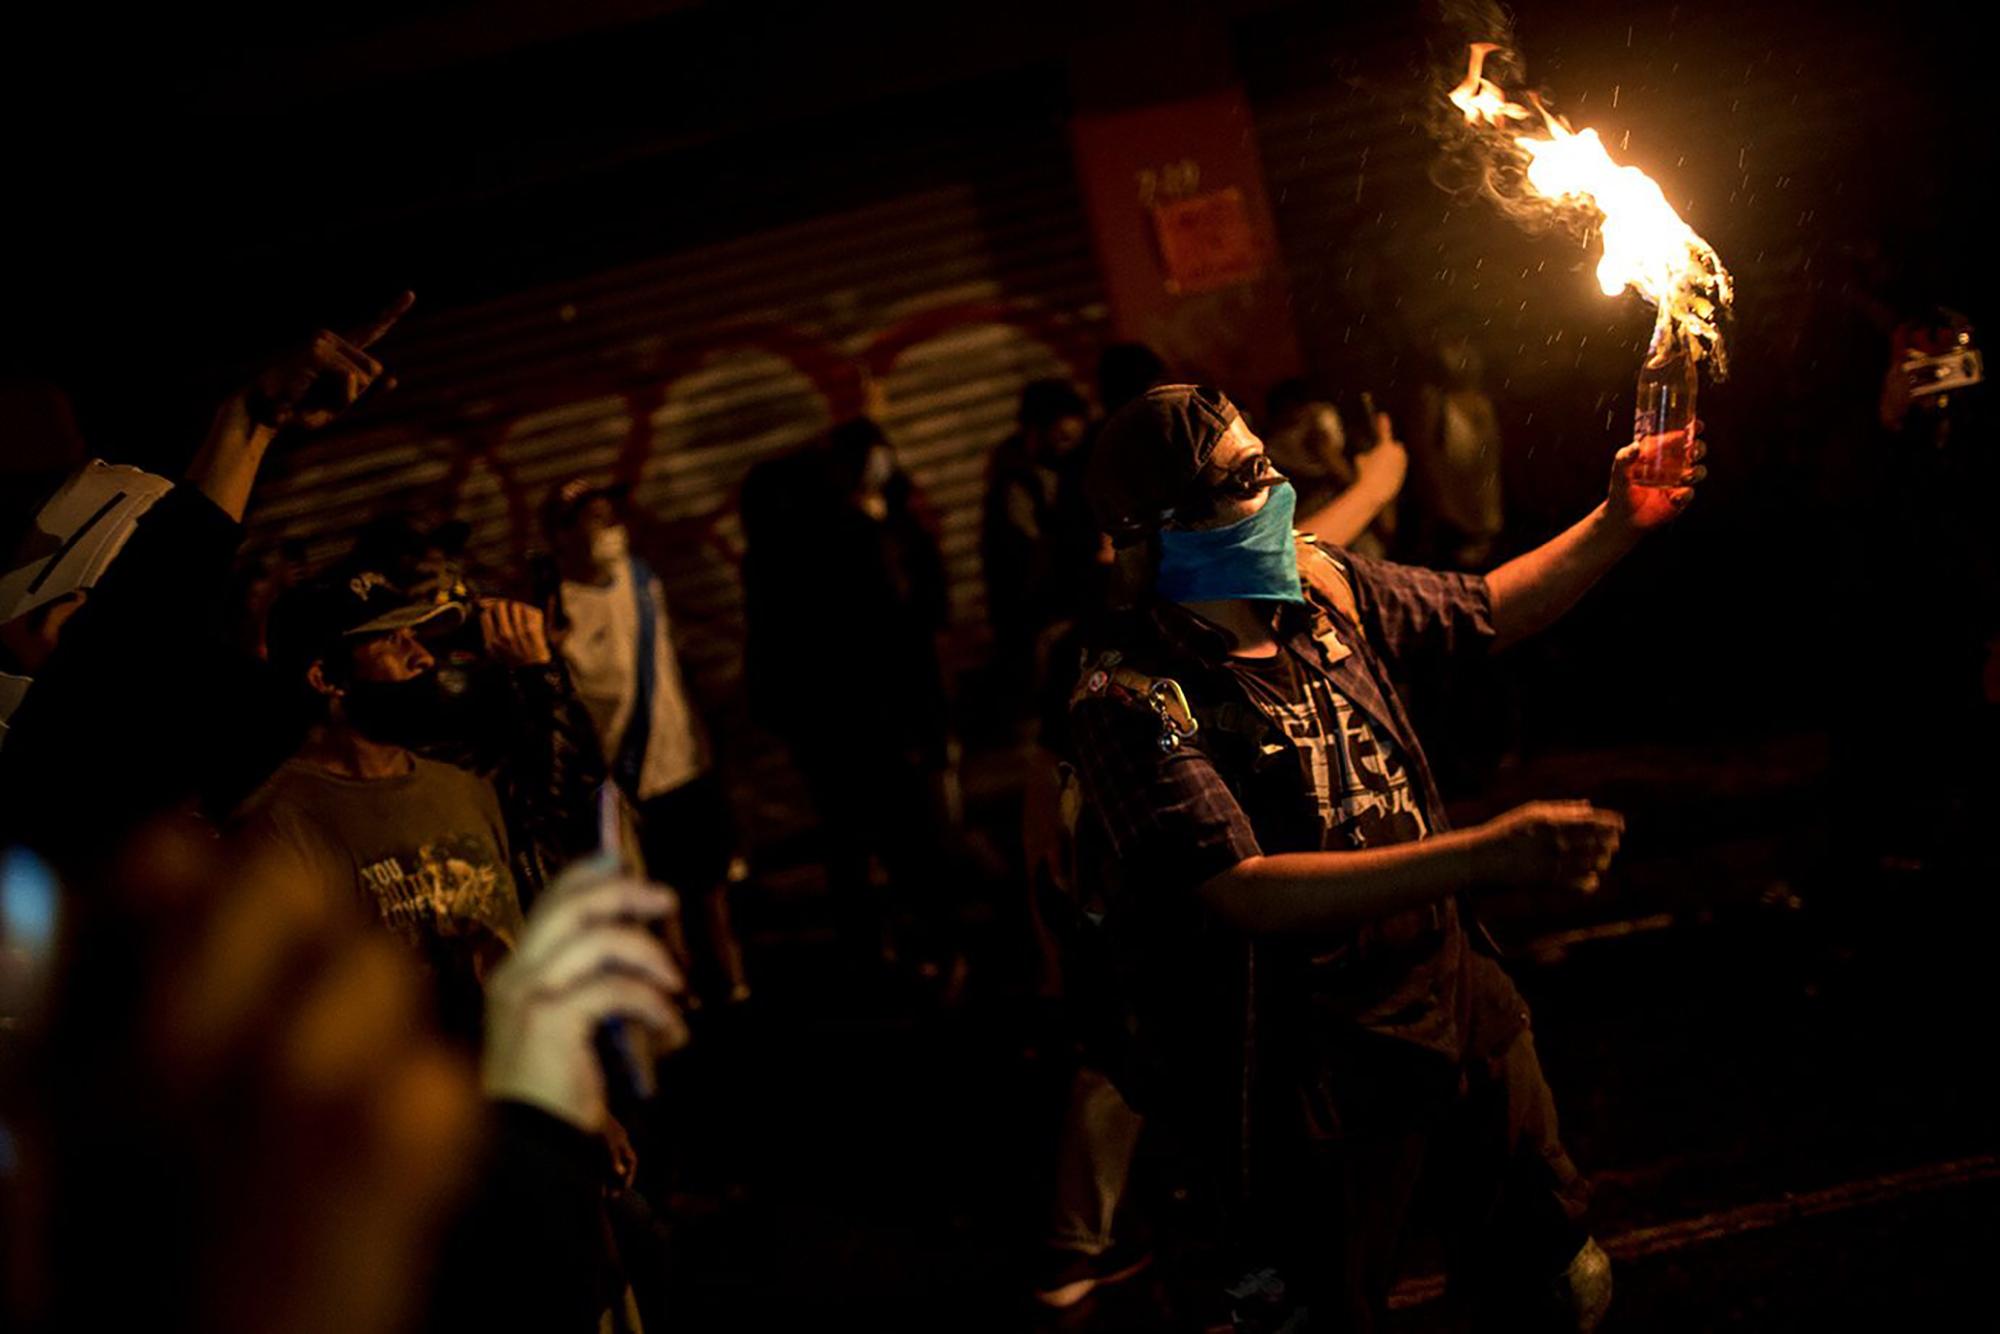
1770,1058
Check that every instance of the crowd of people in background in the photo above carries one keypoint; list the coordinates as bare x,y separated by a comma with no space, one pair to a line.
461,792
290,851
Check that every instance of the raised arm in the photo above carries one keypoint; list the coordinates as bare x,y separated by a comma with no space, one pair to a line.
1378,478
308,387
1532,591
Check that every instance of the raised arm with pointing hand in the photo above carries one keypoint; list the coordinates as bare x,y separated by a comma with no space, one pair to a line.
307,387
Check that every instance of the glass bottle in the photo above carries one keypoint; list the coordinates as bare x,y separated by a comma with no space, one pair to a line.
1663,421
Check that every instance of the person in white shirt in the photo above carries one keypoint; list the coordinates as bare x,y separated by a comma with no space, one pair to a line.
619,648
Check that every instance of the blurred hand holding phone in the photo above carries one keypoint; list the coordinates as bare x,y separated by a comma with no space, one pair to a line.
579,1014
629,1051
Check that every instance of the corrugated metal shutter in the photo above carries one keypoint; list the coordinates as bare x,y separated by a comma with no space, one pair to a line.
681,372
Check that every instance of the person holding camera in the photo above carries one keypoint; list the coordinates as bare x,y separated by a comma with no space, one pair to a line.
421,844
507,708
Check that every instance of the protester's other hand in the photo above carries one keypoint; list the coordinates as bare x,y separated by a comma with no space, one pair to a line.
515,633
1564,844
250,1074
1386,464
586,956
1647,507
313,384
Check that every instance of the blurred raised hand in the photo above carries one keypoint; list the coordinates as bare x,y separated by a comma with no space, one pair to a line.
307,387
234,1115
312,384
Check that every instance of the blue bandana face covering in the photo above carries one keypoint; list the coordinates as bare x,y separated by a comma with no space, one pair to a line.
1252,558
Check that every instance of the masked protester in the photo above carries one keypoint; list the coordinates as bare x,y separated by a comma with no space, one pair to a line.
421,845
619,649
1314,1014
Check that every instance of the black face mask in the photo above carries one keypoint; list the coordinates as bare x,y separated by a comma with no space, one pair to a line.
410,713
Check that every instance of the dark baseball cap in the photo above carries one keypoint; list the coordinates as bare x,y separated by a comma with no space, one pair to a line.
566,498
1149,454
353,602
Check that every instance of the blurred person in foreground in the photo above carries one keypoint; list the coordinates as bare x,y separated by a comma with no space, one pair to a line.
617,644
1315,1018
845,664
112,638
227,1108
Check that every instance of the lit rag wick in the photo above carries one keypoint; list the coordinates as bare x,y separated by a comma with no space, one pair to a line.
1646,245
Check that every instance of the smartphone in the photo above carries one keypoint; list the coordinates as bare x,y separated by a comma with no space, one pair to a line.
30,915
1363,440
625,1049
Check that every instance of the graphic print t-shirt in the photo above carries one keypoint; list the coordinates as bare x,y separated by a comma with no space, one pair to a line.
1364,793
424,852
1398,976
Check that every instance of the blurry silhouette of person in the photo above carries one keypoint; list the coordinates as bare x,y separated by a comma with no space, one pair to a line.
1308,442
1125,371
1456,454
619,647
1036,538
846,601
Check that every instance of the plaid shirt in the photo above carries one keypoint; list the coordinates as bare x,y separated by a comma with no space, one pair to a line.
1177,816
1182,811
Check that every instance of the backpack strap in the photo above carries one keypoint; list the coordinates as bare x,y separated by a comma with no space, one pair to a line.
1108,677
1328,577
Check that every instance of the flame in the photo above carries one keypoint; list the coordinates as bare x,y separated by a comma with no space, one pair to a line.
1647,247
1479,97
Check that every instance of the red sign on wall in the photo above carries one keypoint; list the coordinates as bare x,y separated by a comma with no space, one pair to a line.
1207,241
1185,241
